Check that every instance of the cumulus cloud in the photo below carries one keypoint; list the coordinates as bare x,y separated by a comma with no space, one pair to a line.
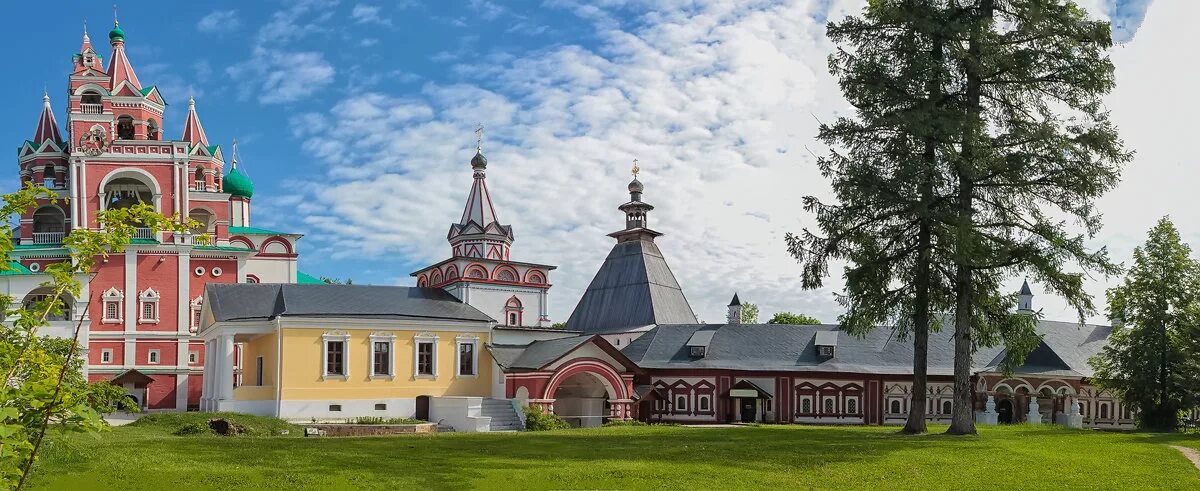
719,101
276,72
219,21
368,14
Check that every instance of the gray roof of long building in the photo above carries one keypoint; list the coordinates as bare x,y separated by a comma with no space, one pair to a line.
537,354
1065,349
263,301
634,287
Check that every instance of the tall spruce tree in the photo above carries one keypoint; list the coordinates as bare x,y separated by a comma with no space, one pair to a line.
884,165
1036,150
1147,362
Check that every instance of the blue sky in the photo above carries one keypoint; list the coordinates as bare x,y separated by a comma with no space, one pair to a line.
355,122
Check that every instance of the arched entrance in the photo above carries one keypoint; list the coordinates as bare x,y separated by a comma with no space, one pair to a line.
582,400
1005,410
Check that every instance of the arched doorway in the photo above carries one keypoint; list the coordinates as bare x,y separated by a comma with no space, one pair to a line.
582,400
1005,410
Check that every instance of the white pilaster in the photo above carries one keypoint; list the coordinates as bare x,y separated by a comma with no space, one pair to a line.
185,297
226,360
131,291
181,391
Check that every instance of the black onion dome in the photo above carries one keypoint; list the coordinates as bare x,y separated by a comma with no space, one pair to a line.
478,161
635,186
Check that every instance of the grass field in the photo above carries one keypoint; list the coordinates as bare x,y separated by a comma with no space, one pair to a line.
149,456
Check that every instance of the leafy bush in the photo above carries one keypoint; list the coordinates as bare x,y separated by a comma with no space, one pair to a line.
194,428
538,420
379,420
250,425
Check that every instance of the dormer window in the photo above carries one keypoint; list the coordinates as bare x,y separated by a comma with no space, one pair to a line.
826,342
696,351
698,343
826,351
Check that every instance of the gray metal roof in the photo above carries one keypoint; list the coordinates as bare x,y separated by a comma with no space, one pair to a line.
701,338
634,287
262,301
1065,349
826,338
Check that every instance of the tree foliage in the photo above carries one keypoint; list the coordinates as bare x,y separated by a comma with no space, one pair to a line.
1150,362
749,313
790,318
43,384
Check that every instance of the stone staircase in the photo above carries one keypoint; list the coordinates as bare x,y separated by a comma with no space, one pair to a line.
504,417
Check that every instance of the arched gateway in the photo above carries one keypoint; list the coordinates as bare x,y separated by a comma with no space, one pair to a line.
583,379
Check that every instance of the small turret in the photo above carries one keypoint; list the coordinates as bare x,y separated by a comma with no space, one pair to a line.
1025,299
47,128
735,311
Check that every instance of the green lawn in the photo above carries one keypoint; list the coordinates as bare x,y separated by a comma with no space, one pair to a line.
789,457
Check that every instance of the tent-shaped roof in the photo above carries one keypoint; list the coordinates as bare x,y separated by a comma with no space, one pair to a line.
633,288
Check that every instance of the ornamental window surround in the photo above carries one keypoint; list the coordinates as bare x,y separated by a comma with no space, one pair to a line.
383,355
425,356
113,313
828,405
197,306
336,347
148,306
153,357
467,361
852,405
681,403
806,406
106,355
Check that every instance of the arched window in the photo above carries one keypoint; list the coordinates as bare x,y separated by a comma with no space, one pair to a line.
48,176
152,130
476,272
206,221
124,192
124,128
681,403
198,181
852,406
895,407
90,102
1104,411
946,407
703,404
806,406
829,406
513,311
49,225
43,294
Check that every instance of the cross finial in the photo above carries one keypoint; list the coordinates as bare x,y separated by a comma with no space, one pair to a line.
115,23
636,169
235,154
479,137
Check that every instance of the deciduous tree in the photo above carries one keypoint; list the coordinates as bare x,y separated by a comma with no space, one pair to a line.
790,318
1147,361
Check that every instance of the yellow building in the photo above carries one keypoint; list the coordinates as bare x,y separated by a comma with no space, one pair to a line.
340,351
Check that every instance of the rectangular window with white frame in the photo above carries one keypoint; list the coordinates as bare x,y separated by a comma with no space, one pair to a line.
106,355
382,349
336,344
425,356
153,357
112,300
148,311
467,356
193,357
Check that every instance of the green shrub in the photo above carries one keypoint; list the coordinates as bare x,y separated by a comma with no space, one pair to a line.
625,422
194,428
379,420
252,425
538,420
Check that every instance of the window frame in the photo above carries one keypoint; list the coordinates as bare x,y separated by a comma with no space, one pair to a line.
432,340
459,342
106,355
390,339
148,298
335,337
681,407
258,370
193,357
153,357
113,297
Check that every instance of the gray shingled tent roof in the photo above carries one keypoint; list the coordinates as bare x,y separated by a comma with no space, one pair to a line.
1065,349
634,287
261,301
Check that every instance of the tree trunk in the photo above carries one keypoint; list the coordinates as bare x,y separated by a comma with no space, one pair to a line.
916,408
962,415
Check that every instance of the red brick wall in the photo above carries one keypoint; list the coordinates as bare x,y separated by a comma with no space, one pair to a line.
161,392
108,275
95,348
160,272
166,352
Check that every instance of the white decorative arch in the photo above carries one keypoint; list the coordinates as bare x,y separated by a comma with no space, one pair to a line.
86,87
1070,391
138,174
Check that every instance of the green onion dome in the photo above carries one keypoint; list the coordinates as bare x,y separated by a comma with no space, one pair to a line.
116,34
237,184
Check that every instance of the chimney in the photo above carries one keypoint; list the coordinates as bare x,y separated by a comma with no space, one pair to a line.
735,311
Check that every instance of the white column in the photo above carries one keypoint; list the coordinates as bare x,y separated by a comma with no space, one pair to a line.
226,361
206,390
181,392
131,293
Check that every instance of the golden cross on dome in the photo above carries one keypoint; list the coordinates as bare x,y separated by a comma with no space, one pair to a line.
479,137
636,169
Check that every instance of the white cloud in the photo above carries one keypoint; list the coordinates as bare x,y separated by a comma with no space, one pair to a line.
368,14
219,21
706,98
719,101
276,71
